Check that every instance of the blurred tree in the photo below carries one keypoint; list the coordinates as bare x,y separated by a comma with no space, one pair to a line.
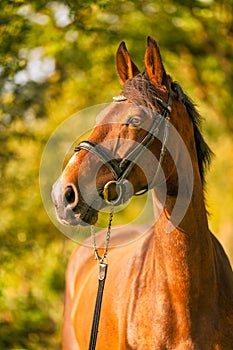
56,58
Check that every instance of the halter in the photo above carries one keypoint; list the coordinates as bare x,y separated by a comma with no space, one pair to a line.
121,170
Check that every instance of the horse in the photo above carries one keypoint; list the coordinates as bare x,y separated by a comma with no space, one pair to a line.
172,288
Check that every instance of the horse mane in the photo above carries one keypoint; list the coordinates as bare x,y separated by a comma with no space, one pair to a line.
142,92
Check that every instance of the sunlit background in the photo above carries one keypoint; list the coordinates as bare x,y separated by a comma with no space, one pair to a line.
56,59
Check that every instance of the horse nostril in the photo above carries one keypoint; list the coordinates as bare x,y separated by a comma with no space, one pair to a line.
70,195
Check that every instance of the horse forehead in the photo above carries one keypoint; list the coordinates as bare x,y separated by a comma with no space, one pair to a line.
118,112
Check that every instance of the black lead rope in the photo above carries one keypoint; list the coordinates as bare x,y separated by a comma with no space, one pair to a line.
103,267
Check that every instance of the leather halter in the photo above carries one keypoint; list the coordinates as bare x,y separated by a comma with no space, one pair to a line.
121,170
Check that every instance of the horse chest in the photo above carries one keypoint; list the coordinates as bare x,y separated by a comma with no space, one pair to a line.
152,321
146,317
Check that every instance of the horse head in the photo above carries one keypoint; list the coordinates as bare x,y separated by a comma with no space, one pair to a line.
124,151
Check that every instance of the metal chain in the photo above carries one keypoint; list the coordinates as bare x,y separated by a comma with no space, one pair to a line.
162,152
103,258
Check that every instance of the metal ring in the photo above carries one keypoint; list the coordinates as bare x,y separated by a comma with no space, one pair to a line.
106,192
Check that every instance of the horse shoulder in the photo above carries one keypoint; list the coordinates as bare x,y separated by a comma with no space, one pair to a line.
223,268
78,262
225,302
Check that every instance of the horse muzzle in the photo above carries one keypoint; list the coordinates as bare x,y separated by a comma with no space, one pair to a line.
70,210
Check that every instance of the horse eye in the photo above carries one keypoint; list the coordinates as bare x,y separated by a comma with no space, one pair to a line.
134,121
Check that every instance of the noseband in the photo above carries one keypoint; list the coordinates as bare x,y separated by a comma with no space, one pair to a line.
121,170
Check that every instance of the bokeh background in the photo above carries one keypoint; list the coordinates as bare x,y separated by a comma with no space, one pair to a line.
58,57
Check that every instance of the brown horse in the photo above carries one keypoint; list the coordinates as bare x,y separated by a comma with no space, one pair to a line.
170,289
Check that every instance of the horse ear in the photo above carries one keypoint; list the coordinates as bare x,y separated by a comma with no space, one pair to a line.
125,66
153,64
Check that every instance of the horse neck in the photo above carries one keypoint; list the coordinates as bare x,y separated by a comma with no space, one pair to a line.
184,254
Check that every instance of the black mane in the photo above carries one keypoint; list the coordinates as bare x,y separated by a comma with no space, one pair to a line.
141,91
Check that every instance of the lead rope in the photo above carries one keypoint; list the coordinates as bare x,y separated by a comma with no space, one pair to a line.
103,266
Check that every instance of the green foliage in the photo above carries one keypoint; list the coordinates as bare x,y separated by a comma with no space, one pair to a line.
58,57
